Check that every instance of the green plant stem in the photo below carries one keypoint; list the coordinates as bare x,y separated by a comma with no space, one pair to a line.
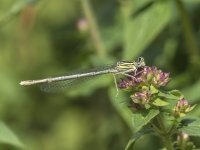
93,27
156,129
165,136
190,38
173,128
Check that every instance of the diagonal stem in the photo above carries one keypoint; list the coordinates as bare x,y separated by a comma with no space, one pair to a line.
166,138
94,29
189,35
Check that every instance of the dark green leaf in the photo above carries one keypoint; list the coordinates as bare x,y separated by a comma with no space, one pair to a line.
168,96
160,102
136,136
140,120
176,93
141,30
118,102
191,127
143,8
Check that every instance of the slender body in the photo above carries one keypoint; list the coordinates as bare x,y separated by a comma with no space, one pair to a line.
68,77
122,67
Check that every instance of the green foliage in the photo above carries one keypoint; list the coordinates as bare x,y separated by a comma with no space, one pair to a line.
141,119
136,136
8,137
191,127
150,109
47,38
141,30
160,102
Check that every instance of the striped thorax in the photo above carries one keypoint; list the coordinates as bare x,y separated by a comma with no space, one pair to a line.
124,66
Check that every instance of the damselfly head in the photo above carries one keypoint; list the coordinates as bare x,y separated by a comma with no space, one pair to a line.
140,62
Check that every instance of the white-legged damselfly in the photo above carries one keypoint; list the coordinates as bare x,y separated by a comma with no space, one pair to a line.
120,68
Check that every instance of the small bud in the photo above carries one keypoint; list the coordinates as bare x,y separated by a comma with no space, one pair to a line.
142,97
82,25
183,142
160,78
134,81
126,83
148,74
182,107
182,137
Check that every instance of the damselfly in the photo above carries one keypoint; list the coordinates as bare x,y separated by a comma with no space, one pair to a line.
120,68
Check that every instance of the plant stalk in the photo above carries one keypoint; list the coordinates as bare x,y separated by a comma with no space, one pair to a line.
94,29
189,35
166,138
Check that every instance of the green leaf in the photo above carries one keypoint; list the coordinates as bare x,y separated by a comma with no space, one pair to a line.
192,127
141,30
153,89
118,102
136,136
192,1
168,95
140,120
170,98
190,108
8,137
176,93
160,102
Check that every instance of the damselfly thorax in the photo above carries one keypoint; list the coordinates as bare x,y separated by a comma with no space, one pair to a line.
128,66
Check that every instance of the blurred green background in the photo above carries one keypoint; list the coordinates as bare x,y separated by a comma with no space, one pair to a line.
46,38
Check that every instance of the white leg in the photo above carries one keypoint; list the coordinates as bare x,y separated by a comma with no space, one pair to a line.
115,80
138,72
127,75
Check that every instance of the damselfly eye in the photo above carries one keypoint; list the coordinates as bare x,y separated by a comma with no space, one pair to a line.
140,59
140,62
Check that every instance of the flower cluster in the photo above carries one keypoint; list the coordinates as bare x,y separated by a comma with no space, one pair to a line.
146,75
142,97
145,82
154,106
